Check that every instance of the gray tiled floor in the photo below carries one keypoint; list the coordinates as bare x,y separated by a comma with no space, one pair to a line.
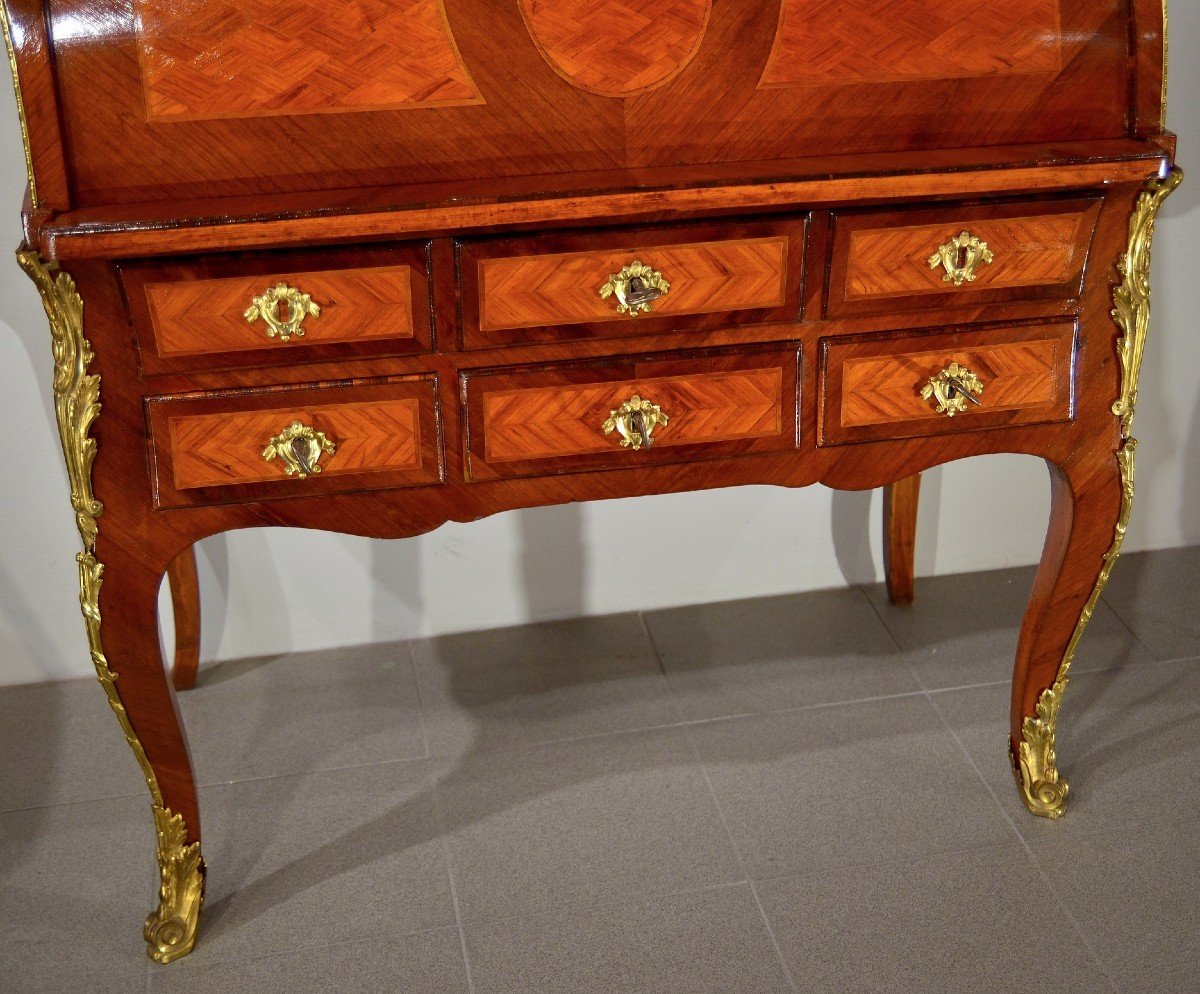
804,793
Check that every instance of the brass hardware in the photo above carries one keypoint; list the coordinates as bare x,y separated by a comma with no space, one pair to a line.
171,929
961,257
636,288
636,421
1042,788
953,388
268,304
16,78
300,447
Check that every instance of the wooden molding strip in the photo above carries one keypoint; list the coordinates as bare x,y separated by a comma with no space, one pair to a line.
114,239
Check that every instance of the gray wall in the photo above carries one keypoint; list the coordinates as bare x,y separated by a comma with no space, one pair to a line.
268,592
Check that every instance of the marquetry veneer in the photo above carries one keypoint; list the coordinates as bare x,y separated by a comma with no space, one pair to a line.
390,247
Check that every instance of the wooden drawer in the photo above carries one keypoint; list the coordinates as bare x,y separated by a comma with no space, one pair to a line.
871,385
552,419
548,289
194,314
211,448
883,261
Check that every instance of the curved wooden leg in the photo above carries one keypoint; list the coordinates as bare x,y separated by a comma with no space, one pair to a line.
1090,509
118,592
122,589
900,502
185,598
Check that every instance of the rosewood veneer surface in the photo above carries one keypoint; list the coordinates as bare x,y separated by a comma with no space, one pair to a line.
878,237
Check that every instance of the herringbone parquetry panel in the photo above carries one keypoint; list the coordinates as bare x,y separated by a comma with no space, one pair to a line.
617,47
221,58
545,422
883,389
1027,251
822,41
534,291
217,449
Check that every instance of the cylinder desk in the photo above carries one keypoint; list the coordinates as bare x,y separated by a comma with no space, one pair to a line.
424,261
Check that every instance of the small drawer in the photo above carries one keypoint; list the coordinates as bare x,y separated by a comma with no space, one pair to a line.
548,289
227,311
216,448
566,417
959,256
903,386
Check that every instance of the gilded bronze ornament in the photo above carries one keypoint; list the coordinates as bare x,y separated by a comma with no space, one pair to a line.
299,447
961,257
635,422
952,389
283,309
171,929
1042,788
636,288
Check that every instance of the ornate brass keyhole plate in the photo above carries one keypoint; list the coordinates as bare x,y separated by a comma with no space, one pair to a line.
953,389
635,422
300,447
636,288
284,309
961,257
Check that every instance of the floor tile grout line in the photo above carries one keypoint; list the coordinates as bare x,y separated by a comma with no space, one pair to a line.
412,664
741,864
448,862
901,651
1029,851
1128,628
733,846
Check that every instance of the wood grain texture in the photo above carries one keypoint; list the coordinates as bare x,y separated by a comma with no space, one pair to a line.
525,290
185,603
551,418
617,48
872,385
881,261
206,59
208,315
901,501
892,40
537,291
119,232
535,123
191,315
385,434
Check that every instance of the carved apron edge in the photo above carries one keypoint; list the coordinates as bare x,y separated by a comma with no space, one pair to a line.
171,929
1042,788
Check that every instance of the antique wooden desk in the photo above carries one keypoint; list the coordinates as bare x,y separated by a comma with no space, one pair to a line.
424,261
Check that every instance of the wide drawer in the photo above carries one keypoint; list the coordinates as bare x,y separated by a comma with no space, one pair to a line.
709,404
216,448
902,386
548,289
887,261
251,309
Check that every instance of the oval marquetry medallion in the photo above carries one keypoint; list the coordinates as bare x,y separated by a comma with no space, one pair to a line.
617,48
220,59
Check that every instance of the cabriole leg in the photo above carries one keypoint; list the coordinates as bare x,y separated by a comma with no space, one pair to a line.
1091,504
123,591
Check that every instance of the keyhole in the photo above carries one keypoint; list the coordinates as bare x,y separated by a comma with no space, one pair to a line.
637,426
283,311
300,449
963,256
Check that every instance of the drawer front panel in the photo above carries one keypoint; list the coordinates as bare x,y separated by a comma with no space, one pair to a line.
542,289
564,417
872,386
251,310
217,448
894,261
